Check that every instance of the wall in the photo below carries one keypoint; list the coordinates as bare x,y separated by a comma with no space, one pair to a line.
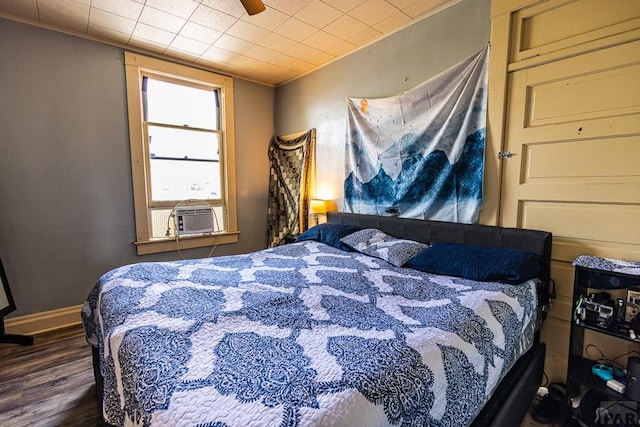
65,171
388,67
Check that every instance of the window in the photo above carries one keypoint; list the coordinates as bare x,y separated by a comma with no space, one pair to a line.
182,150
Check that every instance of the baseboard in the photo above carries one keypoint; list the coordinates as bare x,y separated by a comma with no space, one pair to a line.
32,324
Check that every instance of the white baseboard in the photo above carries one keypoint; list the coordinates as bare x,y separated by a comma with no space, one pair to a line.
32,324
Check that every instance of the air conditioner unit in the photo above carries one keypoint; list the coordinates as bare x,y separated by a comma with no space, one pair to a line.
194,220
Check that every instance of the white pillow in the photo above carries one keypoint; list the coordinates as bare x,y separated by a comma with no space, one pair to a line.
376,243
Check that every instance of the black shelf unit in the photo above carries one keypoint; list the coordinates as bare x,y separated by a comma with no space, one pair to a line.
589,279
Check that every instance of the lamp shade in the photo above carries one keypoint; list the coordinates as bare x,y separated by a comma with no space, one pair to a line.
317,206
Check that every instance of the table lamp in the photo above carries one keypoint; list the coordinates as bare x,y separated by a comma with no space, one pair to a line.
317,207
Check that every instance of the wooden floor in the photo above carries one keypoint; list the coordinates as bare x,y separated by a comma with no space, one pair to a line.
51,383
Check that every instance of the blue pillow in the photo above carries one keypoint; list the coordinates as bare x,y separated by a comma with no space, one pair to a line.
330,233
478,263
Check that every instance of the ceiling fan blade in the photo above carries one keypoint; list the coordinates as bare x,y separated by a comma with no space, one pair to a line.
253,6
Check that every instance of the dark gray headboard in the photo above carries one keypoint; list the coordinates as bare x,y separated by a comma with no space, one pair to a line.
426,231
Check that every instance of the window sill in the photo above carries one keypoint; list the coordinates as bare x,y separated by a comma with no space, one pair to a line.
186,242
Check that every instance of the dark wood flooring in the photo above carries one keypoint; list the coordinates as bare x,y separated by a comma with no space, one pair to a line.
50,383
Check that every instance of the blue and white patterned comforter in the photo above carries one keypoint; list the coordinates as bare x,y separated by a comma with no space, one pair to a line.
301,335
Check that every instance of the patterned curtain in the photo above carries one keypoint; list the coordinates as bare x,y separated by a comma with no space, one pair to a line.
289,182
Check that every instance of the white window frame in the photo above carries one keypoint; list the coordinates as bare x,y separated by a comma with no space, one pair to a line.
135,67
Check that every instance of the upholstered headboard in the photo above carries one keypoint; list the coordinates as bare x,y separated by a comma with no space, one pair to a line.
426,231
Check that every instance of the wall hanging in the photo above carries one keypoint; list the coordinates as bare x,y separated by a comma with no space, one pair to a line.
289,181
421,154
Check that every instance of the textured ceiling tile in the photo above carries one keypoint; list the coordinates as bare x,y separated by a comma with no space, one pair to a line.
230,7
392,23
261,53
341,48
160,19
402,4
294,64
295,29
127,8
365,37
181,8
181,54
147,44
321,58
421,7
343,5
318,14
218,54
373,11
305,34
276,74
288,7
269,19
233,44
153,34
247,63
71,9
304,52
212,18
345,27
108,33
27,9
277,42
111,21
246,31
322,40
200,32
64,21
188,45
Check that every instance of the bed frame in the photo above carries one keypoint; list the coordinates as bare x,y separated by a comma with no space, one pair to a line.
516,391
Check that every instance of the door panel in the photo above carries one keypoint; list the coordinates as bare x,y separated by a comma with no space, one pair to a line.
591,222
574,133
536,30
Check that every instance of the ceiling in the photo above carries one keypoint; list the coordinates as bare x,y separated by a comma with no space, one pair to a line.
289,39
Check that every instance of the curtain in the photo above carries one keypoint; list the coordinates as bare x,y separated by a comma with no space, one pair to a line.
289,183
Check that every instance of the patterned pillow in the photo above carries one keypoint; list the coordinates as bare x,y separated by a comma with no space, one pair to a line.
376,243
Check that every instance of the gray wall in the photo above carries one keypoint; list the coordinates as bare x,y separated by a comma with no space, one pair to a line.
388,67
65,171
65,174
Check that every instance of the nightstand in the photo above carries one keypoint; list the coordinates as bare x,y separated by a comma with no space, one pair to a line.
603,303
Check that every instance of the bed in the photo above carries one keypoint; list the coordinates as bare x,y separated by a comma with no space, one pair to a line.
348,326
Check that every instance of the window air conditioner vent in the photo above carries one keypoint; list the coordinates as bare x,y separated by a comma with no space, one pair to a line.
194,220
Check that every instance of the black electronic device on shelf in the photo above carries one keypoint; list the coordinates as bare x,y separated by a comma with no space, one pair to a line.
606,297
7,305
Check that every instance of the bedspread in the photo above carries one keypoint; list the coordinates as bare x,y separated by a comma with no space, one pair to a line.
301,335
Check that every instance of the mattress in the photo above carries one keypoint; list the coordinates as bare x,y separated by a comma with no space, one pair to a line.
299,335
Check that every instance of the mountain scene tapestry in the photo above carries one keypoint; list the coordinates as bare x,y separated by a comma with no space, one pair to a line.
421,154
